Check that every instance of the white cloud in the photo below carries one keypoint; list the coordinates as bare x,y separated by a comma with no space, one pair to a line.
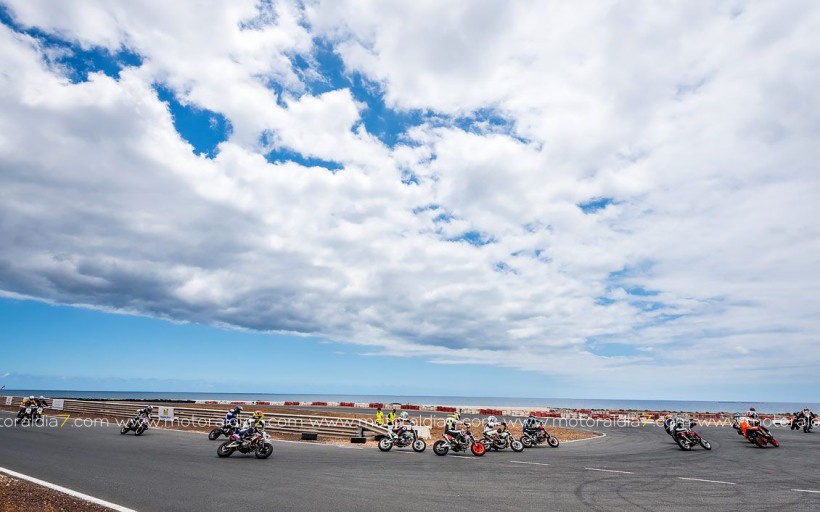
700,121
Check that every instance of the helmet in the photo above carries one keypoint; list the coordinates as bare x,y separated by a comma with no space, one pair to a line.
456,416
404,415
150,408
752,409
258,414
31,397
492,419
238,408
42,397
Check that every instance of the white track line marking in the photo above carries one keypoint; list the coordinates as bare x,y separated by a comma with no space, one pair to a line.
806,490
610,471
533,463
85,497
602,434
703,480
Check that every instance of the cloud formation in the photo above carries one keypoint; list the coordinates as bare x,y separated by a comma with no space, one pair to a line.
609,192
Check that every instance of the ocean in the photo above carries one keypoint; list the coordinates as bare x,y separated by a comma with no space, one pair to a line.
496,402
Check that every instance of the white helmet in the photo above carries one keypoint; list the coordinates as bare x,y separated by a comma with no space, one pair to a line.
404,415
42,397
31,397
492,419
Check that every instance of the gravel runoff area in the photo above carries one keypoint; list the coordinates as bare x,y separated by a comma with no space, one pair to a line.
435,424
22,496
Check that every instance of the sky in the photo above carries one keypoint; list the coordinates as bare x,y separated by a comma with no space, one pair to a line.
490,198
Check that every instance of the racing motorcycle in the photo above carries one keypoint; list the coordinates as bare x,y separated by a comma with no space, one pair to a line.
443,446
29,415
225,430
259,443
688,438
138,424
756,434
530,439
803,421
402,438
501,440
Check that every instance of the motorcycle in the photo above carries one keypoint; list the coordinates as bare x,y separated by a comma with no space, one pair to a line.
259,444
402,438
138,424
225,430
760,436
501,440
25,415
530,439
688,438
803,422
443,446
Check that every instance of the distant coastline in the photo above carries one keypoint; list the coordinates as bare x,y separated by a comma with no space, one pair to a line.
553,403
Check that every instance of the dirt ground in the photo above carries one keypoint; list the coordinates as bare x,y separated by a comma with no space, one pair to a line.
22,496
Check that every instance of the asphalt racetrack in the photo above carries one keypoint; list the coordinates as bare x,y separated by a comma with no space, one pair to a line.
637,468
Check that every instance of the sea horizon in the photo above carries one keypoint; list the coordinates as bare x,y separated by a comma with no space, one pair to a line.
487,401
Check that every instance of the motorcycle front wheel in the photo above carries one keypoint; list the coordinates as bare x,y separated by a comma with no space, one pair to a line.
478,449
419,445
385,444
553,442
440,448
706,444
224,450
516,446
263,451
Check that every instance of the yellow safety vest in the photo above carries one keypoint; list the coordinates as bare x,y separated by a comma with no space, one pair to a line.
391,418
379,418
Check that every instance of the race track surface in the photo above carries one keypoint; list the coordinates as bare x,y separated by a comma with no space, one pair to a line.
636,468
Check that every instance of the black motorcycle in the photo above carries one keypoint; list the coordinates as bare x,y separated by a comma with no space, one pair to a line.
401,438
686,438
500,440
138,424
803,421
539,436
225,430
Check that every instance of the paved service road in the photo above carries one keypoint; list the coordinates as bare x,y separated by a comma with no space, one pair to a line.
630,469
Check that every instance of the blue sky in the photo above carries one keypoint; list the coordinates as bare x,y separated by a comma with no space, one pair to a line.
518,201
82,349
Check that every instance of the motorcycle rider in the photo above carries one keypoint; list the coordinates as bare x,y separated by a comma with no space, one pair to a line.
145,413
254,424
232,417
532,425
451,429
26,402
402,424
491,427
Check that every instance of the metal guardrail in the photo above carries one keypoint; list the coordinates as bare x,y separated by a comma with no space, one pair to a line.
201,417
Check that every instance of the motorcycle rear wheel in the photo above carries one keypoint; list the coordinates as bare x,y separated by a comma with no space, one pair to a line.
224,450
140,430
214,434
526,441
440,448
124,430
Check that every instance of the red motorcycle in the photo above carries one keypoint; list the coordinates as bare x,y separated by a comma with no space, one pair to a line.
467,441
